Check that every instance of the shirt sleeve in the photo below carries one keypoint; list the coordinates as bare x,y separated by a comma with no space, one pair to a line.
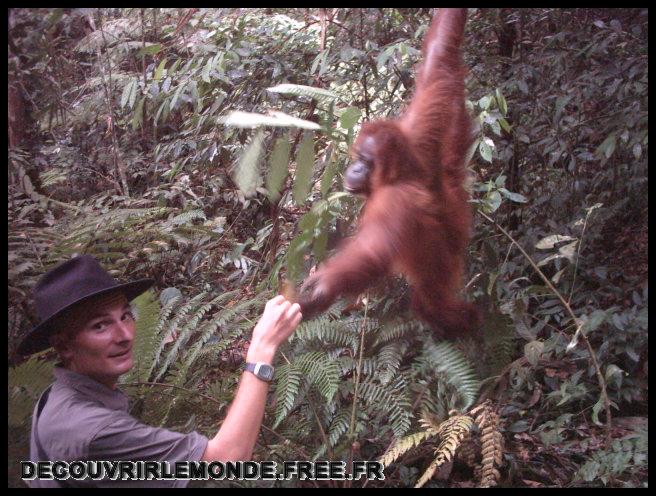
126,438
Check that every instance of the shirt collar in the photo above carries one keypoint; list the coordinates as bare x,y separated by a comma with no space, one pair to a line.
113,399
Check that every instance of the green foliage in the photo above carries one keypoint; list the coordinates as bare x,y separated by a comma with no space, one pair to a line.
456,381
146,309
278,167
304,166
374,385
247,172
25,384
310,369
194,112
176,344
626,455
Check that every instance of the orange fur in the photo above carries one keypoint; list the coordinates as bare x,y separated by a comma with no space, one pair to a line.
416,220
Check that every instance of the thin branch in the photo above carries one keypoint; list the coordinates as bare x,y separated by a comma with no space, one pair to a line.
358,373
593,356
106,82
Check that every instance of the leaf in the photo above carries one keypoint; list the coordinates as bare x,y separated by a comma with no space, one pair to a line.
347,53
176,95
612,370
133,94
519,426
350,117
569,250
137,119
381,60
607,148
247,173
162,108
321,241
207,69
561,102
295,253
160,70
504,124
241,119
154,88
484,102
315,63
485,149
556,277
166,85
573,342
516,197
533,352
328,175
168,295
127,90
596,409
151,49
278,168
548,259
637,150
301,90
594,320
552,240
304,167
492,201
503,105
193,90
471,151
324,63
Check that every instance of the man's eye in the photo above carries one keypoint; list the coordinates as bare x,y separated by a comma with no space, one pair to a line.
128,315
99,326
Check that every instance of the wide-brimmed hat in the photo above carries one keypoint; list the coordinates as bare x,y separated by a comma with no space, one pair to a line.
67,285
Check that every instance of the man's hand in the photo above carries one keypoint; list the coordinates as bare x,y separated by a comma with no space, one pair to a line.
279,320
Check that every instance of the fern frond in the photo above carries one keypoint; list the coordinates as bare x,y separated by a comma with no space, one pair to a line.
146,338
165,314
321,371
488,422
288,381
218,321
388,362
499,342
451,432
328,332
395,399
454,369
394,332
339,425
25,383
404,445
185,218
173,328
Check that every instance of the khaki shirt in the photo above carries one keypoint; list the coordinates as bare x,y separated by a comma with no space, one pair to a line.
85,420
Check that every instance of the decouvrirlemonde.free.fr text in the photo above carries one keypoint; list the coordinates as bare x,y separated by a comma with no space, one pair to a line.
201,470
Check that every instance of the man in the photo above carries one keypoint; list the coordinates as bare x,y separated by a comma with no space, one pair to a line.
85,314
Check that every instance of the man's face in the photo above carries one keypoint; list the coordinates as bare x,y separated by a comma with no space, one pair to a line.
101,344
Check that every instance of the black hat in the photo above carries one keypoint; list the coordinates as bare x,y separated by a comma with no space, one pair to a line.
66,285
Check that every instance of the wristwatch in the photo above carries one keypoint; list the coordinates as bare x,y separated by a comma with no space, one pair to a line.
261,370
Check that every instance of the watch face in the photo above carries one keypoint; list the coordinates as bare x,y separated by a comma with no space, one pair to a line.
265,371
